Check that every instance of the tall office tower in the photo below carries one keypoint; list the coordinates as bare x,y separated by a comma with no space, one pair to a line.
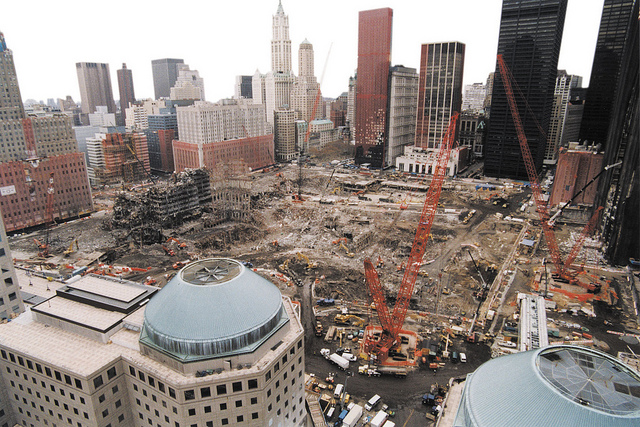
11,303
212,135
284,138
439,91
529,41
163,129
474,97
243,87
619,188
279,81
280,43
11,107
165,74
351,108
403,91
95,87
562,93
374,60
258,88
48,142
125,86
189,85
487,98
101,351
573,117
306,87
617,15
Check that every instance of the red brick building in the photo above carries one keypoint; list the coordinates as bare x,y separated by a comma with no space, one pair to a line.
255,152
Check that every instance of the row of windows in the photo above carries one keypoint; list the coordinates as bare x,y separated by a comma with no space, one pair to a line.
39,368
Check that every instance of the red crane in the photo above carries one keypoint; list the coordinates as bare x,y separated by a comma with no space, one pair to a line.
392,322
562,269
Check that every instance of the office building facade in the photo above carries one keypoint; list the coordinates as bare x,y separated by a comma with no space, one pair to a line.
243,87
125,87
165,74
617,16
439,91
372,87
403,92
94,80
306,87
565,83
529,41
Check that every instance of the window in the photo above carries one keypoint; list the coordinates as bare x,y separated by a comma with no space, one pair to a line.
205,392
172,392
224,421
101,398
111,372
223,406
192,412
97,381
254,400
269,393
12,295
240,418
121,418
78,385
254,416
221,389
276,367
58,375
237,386
207,409
67,379
132,371
161,386
114,389
105,413
252,384
189,395
118,403
152,381
141,375
238,403
267,377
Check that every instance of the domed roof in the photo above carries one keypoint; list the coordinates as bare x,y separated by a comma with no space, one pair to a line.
557,385
211,308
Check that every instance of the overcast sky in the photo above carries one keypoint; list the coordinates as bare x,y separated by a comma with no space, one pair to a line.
222,39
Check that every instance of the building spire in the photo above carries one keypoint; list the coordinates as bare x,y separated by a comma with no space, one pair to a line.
280,9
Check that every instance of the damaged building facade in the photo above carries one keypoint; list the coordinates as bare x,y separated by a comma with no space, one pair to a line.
117,157
230,130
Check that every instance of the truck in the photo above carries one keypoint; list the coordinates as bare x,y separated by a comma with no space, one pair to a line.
397,371
338,391
339,360
319,329
372,402
379,419
353,416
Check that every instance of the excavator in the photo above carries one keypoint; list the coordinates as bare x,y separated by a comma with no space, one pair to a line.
349,319
70,250
305,258
346,250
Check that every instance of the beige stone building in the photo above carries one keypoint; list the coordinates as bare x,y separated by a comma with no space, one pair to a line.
218,345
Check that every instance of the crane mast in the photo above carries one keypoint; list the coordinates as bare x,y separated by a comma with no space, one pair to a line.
392,322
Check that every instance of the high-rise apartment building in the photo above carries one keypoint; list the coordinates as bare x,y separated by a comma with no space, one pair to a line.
565,83
403,92
213,135
617,15
95,87
218,345
619,188
125,87
165,74
439,91
529,41
34,150
374,60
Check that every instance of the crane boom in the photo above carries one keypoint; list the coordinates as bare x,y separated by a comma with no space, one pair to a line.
392,323
541,205
588,229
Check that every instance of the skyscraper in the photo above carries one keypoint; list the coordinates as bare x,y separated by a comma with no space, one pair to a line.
565,83
243,87
529,41
95,87
280,43
165,74
617,15
439,91
125,87
306,86
48,142
403,90
619,188
374,60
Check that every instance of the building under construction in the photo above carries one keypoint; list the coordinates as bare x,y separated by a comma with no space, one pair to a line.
576,167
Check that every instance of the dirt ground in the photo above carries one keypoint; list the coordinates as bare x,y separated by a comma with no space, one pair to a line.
315,249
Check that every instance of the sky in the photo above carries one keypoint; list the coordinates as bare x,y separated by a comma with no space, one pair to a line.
223,39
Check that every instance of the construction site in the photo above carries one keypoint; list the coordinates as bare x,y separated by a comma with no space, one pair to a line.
409,281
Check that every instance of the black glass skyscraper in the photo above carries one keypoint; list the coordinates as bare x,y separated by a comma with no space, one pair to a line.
616,17
529,41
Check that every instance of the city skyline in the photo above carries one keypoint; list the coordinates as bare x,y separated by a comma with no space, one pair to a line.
247,40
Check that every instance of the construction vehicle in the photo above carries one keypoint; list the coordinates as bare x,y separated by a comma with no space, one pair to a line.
379,262
70,250
562,269
346,250
391,323
319,329
168,251
340,240
348,319
180,244
284,267
305,258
